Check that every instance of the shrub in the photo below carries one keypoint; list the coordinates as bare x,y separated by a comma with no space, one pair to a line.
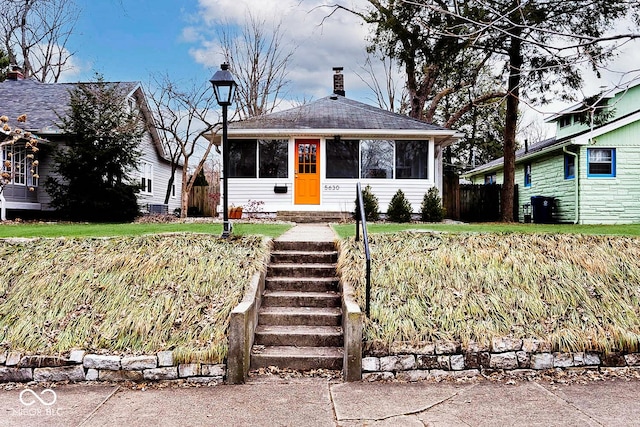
399,208
431,208
371,209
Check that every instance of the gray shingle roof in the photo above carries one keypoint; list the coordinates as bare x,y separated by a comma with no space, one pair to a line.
41,102
534,148
335,112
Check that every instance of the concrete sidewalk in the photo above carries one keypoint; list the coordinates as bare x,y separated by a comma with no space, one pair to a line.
318,402
312,232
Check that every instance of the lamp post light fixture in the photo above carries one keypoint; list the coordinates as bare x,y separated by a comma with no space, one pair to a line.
224,89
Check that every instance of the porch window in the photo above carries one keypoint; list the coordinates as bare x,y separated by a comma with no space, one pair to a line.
146,177
376,159
601,162
527,175
243,162
342,158
274,158
411,159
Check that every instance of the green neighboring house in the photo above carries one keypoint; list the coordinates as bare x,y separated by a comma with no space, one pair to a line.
591,169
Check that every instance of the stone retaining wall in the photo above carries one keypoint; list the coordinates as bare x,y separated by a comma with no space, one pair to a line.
410,362
80,366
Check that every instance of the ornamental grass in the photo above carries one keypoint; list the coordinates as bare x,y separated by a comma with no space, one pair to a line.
124,295
576,292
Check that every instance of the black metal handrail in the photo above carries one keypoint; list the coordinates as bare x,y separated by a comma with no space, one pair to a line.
361,216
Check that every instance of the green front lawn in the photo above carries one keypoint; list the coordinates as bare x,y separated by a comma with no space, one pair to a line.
135,229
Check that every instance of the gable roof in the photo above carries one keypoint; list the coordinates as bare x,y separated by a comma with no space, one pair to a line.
337,114
43,102
532,150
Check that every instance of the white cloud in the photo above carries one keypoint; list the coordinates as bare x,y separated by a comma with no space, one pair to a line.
322,41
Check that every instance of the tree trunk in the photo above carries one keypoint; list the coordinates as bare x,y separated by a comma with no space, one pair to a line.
511,122
184,197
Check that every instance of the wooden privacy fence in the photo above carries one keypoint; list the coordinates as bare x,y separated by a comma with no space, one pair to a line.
199,197
474,203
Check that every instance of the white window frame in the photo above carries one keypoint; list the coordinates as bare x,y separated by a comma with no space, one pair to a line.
146,177
21,168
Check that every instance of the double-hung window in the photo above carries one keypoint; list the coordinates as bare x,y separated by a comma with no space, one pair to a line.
601,162
146,177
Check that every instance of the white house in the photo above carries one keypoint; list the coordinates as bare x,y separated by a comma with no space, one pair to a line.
309,158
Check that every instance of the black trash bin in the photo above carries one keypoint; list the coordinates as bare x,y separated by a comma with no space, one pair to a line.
542,209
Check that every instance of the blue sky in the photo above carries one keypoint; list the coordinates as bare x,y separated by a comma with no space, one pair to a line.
129,40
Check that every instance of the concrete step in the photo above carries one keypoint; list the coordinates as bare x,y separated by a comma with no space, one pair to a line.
299,336
305,316
279,245
305,284
299,358
313,217
304,257
301,270
300,299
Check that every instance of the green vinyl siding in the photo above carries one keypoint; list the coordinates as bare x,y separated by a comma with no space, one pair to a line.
547,179
622,104
613,200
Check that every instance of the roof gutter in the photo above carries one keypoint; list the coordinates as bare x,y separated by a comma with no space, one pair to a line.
577,183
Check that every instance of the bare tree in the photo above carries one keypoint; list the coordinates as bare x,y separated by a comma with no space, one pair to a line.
183,120
35,34
541,45
258,58
388,96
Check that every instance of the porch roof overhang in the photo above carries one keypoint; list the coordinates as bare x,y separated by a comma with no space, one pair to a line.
443,138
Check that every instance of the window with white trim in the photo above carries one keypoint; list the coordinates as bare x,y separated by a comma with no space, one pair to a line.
601,162
20,166
146,177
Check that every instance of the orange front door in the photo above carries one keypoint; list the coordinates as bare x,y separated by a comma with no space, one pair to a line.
307,183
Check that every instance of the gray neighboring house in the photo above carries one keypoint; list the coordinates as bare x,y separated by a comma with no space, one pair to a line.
309,158
41,102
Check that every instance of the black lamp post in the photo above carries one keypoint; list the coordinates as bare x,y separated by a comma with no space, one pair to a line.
224,88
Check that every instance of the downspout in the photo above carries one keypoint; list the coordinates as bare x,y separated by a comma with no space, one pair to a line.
576,178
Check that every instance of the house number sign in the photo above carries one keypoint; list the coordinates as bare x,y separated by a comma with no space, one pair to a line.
331,187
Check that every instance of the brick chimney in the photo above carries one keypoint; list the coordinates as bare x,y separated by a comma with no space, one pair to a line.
338,81
15,73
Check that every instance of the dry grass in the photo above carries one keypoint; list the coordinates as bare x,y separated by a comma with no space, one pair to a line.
124,295
576,292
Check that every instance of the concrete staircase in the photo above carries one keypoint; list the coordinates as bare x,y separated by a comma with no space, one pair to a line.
299,322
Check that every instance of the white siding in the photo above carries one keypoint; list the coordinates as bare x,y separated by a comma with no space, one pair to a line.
161,174
336,195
